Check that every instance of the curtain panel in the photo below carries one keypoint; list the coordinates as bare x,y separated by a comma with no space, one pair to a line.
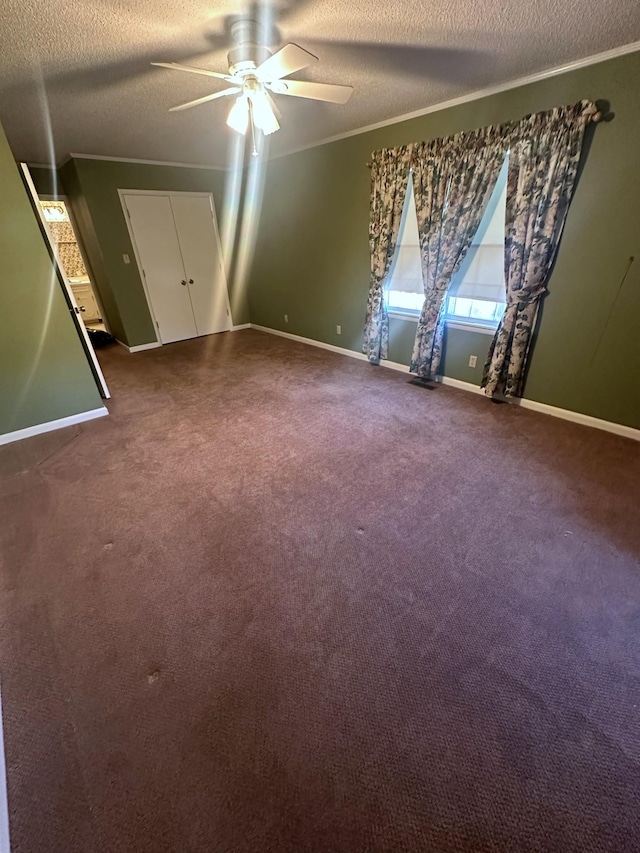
545,151
390,169
453,178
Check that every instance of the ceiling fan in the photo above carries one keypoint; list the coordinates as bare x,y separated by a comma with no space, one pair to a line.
254,73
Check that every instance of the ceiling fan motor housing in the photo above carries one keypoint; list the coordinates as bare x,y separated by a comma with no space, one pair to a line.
247,52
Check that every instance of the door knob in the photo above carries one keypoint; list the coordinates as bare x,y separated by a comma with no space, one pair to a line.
183,283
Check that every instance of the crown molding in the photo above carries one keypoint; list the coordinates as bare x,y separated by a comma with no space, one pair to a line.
74,156
557,70
42,166
537,77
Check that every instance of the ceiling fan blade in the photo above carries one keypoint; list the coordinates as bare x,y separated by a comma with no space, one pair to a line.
235,90
176,66
329,92
287,60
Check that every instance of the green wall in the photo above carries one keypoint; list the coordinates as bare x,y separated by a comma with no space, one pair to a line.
92,186
312,257
44,372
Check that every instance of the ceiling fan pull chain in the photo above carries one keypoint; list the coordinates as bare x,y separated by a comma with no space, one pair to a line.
254,153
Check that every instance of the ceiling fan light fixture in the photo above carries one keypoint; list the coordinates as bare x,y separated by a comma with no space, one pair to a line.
238,118
262,113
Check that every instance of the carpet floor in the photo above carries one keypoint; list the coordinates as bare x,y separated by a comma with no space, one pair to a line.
280,600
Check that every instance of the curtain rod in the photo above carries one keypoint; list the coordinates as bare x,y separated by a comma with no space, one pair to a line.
595,118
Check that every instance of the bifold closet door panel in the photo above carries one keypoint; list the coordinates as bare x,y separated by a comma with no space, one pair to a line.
202,259
159,253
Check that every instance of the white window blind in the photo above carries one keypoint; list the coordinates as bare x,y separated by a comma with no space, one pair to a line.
481,275
405,288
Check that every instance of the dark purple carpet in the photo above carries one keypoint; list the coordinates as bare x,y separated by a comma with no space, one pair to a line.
282,601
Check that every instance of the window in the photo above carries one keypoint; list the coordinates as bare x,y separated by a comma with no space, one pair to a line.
477,293
405,289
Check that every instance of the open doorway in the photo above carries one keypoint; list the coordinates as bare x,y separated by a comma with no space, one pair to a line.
54,212
64,237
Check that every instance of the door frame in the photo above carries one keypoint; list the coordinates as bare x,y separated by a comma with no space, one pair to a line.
85,340
202,194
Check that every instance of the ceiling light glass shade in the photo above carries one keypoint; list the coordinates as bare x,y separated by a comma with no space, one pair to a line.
263,116
238,118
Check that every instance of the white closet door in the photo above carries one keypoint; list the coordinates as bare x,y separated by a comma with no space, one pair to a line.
159,255
202,259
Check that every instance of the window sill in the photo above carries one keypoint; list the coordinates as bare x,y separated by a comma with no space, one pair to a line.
403,315
471,326
451,323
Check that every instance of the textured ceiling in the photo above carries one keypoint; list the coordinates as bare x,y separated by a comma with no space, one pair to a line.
76,74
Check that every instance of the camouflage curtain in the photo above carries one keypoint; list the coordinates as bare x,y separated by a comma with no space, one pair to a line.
543,163
390,169
453,179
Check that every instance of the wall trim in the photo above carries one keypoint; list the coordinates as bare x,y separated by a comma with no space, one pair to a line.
554,411
578,418
41,166
5,846
321,344
593,59
58,197
584,62
522,402
156,344
73,156
140,347
50,426
461,385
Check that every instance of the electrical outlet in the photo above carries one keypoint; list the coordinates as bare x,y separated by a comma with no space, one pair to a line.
126,259
473,360
286,318
339,330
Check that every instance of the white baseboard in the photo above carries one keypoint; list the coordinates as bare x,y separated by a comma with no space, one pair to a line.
546,409
524,403
155,344
49,426
578,418
459,383
340,350
141,347
5,846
